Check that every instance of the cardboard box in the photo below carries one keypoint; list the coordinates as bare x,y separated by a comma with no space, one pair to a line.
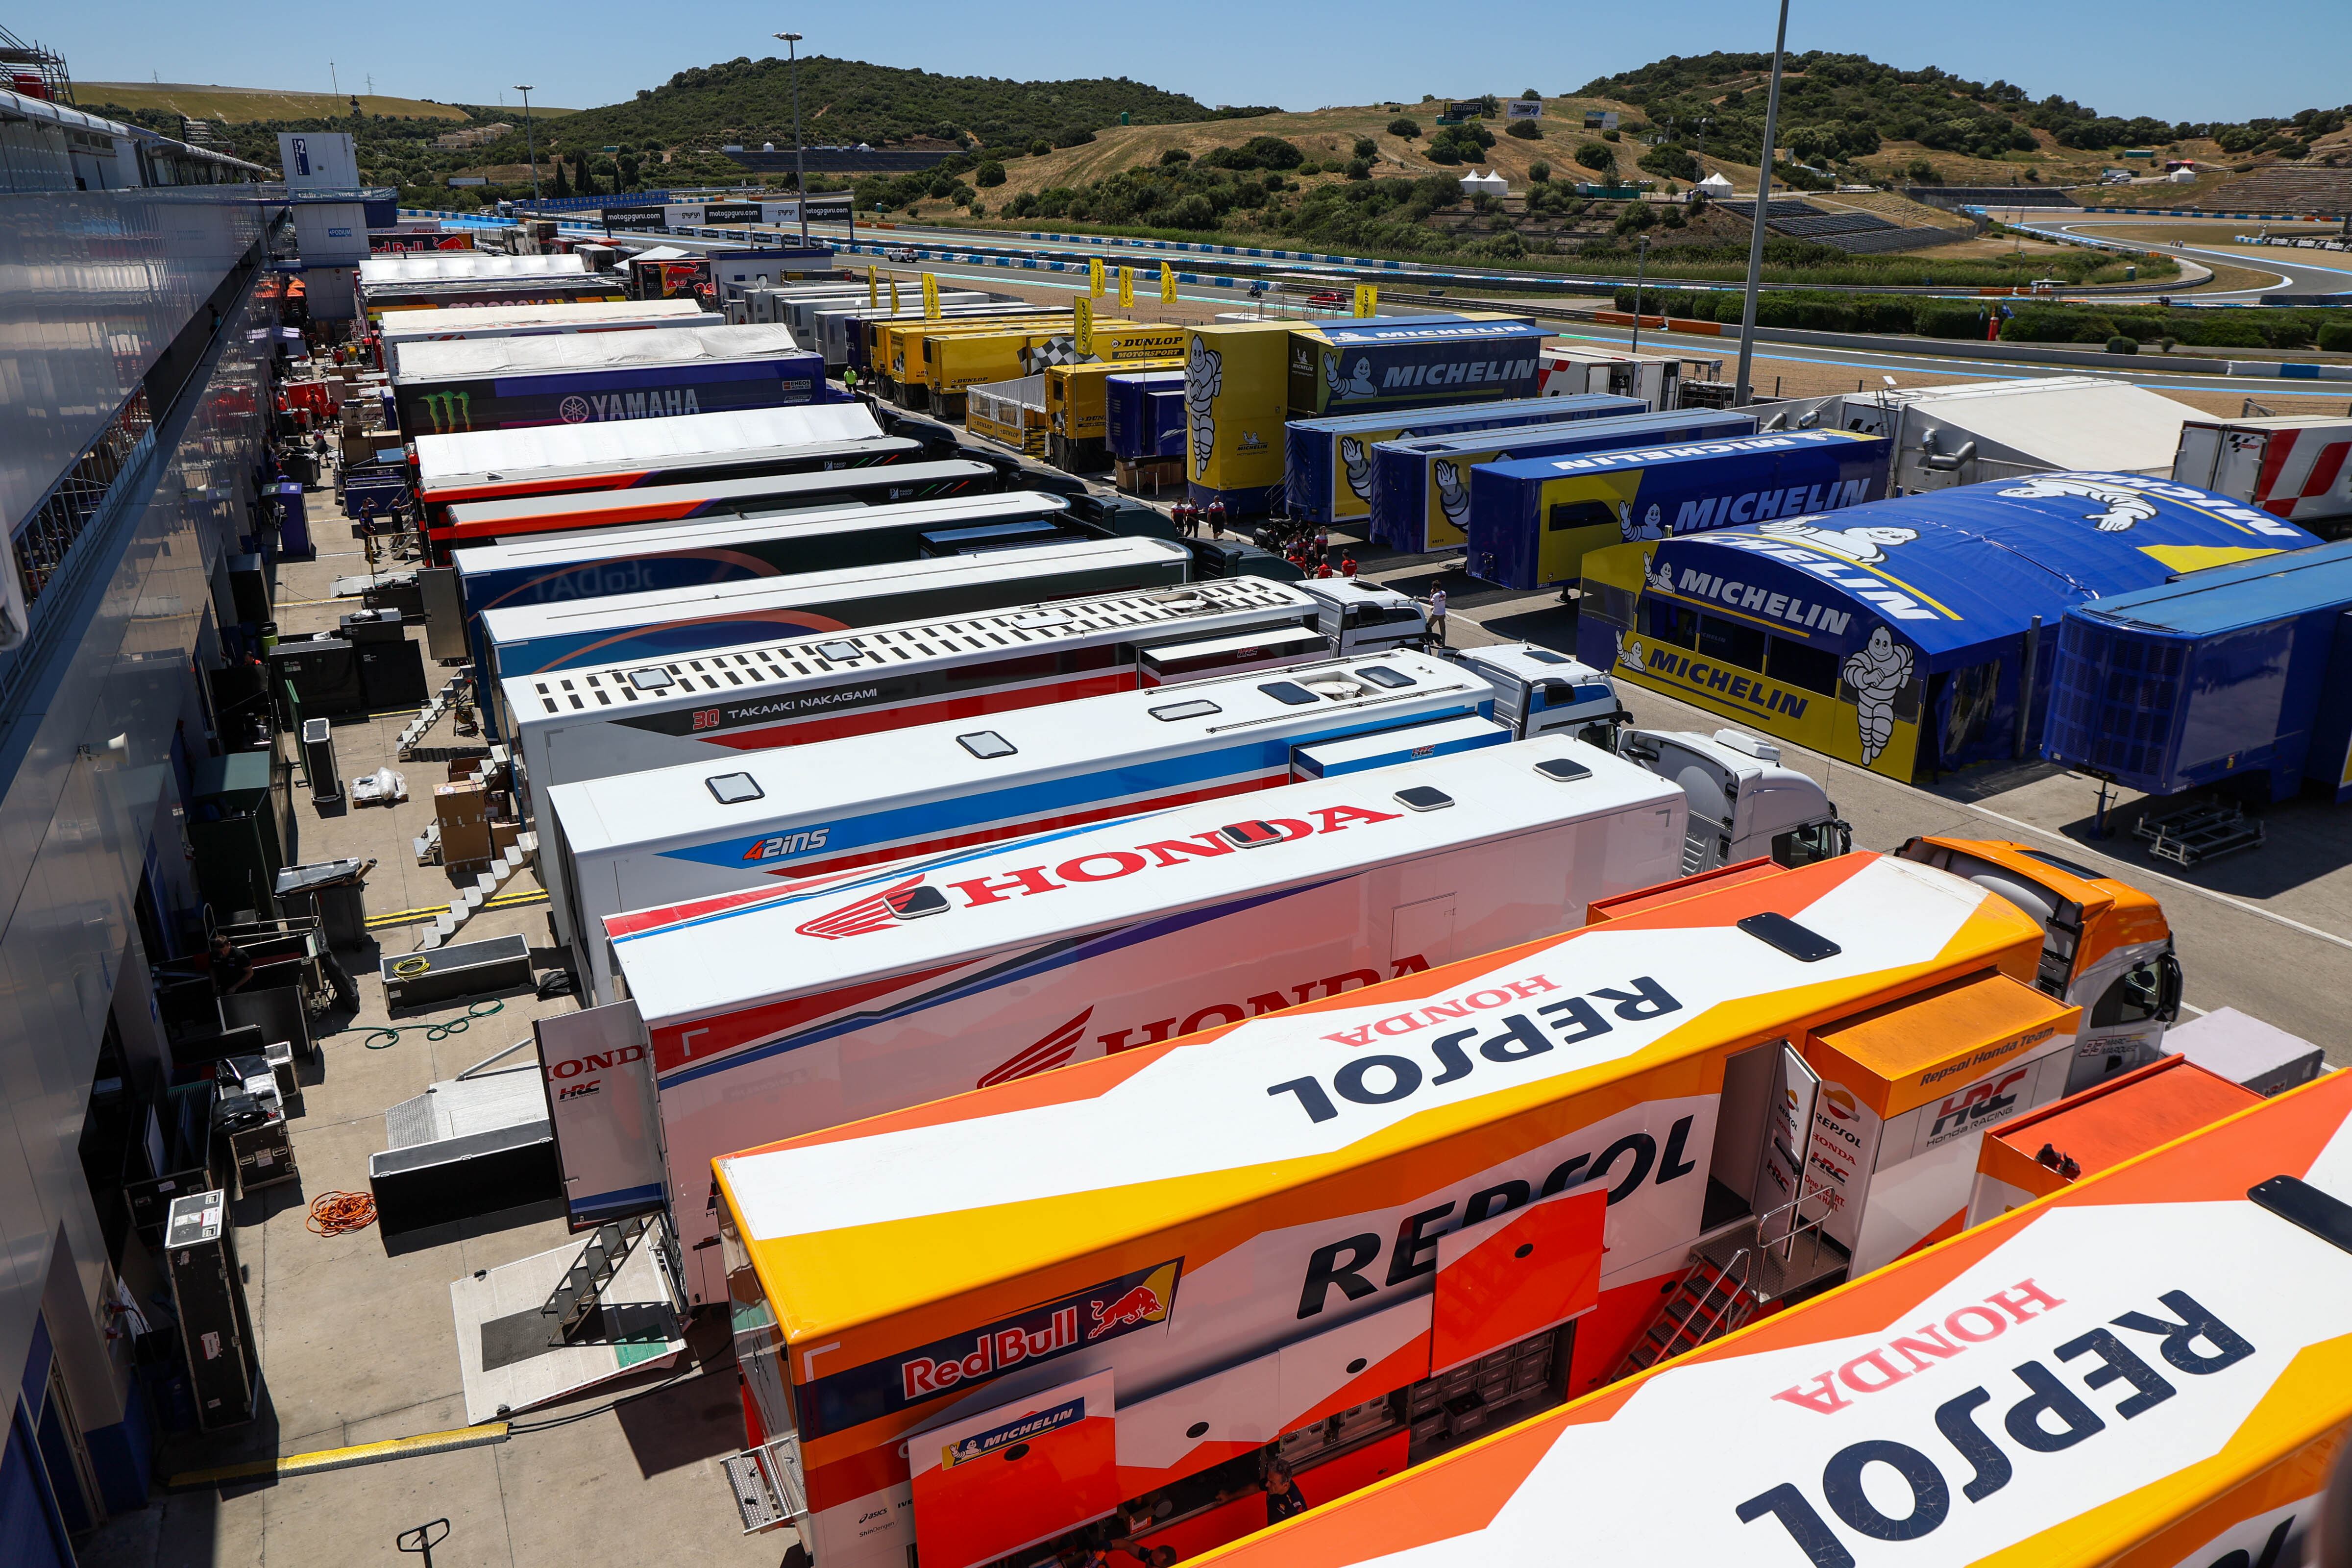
463,813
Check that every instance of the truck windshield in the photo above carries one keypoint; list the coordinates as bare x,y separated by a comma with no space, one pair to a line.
2060,918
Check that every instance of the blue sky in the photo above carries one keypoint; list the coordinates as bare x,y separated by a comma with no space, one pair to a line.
2172,59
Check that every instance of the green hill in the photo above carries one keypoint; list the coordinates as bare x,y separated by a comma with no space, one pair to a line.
1842,108
849,101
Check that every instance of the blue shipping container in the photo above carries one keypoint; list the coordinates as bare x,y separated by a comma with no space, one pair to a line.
1327,463
2237,671
1146,414
1421,487
1532,518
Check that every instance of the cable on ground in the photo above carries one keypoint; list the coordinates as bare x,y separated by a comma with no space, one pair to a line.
340,1214
389,1034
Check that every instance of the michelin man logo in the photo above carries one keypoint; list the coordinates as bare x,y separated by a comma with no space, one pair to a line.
1204,377
1360,467
2124,507
1452,495
1863,546
1651,524
1360,380
1629,654
1877,674
1659,582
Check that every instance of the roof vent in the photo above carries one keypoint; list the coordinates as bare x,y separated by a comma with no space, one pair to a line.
914,903
1749,746
1422,797
838,651
1563,770
1799,943
734,789
986,744
652,678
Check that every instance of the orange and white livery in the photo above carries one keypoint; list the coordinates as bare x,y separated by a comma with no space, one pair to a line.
1358,1228
2149,1369
2107,946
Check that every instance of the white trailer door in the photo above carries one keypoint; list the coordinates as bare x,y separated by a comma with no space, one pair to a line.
1787,1140
601,1101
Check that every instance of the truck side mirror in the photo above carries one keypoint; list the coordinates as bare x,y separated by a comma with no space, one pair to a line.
2168,988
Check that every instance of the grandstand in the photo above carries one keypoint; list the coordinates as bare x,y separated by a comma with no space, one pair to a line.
1858,233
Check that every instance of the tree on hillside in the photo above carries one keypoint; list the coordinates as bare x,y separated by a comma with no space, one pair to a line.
1402,126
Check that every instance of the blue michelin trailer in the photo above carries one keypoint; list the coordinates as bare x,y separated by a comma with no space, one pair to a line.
1421,494
2239,672
1411,361
1532,518
1327,463
1145,412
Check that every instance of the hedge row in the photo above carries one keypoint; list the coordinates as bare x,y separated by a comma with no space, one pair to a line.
2028,322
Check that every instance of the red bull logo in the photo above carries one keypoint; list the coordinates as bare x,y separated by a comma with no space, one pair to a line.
1115,1306
1140,1305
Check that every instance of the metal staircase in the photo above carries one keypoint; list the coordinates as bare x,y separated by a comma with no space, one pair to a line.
405,748
1708,1301
576,1300
1734,1272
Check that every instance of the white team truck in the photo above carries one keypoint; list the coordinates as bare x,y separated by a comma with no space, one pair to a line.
814,1006
1744,806
1539,691
698,838
621,718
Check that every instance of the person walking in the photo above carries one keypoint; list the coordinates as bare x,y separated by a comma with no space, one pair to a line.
849,381
1215,518
1347,567
1437,616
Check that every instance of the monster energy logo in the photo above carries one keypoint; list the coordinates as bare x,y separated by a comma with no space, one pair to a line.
450,411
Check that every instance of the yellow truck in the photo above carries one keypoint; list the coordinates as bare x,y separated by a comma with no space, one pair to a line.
955,361
1076,423
897,354
959,364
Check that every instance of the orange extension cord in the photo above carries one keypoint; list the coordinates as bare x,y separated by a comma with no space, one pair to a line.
340,1214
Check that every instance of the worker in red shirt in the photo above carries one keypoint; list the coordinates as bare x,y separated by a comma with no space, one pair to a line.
1347,567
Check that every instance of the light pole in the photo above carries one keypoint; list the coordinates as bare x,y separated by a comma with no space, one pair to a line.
1641,271
531,147
1739,396
800,175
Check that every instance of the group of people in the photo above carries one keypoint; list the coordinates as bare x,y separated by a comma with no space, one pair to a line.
1190,518
1315,561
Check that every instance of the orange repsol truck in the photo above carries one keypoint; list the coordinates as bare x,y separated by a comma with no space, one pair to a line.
2150,1368
1367,1228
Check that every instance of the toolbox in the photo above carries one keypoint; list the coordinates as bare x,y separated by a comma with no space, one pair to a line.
453,973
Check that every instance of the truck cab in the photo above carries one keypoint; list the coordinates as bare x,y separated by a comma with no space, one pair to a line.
1744,806
1540,692
1364,617
2107,946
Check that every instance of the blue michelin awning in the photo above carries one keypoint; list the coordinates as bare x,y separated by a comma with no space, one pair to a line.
1953,570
